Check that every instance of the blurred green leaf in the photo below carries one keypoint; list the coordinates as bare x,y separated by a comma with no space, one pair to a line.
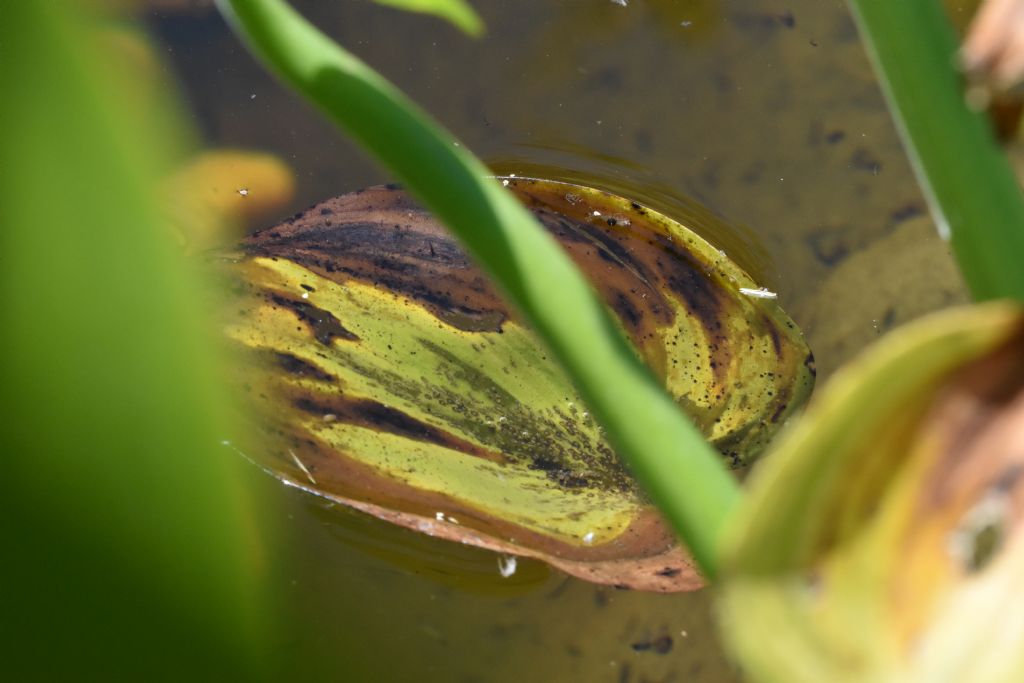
130,549
458,12
881,539
684,476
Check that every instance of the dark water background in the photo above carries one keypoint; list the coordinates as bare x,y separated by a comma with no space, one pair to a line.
763,112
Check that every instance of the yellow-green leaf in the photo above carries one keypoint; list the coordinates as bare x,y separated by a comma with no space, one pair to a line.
392,377
459,12
882,540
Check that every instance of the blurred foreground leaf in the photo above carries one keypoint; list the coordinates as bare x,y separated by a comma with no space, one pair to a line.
883,538
129,548
458,12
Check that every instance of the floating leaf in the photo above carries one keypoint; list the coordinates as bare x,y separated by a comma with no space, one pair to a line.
393,378
884,538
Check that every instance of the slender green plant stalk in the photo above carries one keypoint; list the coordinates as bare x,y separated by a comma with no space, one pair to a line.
973,193
669,457
459,12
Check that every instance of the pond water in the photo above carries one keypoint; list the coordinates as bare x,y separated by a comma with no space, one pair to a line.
756,122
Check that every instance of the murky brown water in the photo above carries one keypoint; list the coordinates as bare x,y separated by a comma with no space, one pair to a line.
764,112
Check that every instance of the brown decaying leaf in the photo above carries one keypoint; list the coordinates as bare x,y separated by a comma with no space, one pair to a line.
391,377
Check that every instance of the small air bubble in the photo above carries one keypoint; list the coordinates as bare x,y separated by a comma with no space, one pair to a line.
507,566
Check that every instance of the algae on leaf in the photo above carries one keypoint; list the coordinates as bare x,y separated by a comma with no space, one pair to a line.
392,377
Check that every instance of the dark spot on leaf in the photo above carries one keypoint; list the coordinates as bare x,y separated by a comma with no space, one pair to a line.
326,328
383,418
296,366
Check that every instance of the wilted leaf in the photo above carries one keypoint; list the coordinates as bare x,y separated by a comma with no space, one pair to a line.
882,541
393,378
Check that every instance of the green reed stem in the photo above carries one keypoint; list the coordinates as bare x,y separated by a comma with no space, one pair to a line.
684,476
973,194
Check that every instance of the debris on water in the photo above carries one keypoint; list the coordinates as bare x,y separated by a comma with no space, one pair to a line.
439,516
686,24
661,645
505,183
759,293
309,475
588,538
507,565
622,3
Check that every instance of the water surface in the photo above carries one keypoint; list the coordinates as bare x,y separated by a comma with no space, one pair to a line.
759,123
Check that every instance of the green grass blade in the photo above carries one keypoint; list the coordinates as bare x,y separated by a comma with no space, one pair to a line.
458,12
972,191
668,455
